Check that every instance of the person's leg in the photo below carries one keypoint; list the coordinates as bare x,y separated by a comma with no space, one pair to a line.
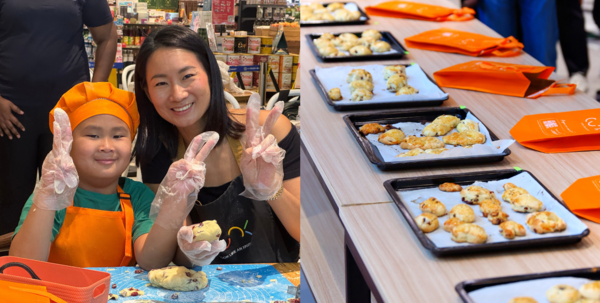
499,15
540,29
18,163
573,38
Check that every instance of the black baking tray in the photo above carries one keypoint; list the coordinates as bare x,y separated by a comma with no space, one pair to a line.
363,18
355,121
464,288
365,106
385,36
406,184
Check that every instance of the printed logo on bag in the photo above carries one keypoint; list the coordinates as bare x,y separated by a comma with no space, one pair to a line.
591,122
550,127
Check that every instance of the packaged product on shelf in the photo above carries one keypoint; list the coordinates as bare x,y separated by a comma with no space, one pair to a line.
241,42
247,79
221,57
285,80
233,60
287,63
270,84
266,45
257,60
246,60
228,44
254,45
274,62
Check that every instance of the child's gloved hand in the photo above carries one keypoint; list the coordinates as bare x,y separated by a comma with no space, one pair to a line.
179,189
56,188
261,162
202,252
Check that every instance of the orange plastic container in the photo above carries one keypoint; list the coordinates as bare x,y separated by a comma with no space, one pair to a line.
72,284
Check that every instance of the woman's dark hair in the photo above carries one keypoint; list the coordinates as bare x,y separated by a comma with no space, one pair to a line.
154,130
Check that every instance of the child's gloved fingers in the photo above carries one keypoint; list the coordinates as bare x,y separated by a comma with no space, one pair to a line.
272,118
66,135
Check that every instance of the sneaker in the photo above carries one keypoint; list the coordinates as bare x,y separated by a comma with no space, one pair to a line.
581,81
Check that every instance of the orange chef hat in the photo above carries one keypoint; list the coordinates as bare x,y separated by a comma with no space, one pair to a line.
88,99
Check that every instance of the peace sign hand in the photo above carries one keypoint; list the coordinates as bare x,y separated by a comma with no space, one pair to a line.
179,189
56,188
262,159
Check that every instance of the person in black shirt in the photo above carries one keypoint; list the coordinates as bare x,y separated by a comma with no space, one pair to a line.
180,95
42,55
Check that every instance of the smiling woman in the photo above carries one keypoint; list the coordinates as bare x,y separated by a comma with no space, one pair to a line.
180,95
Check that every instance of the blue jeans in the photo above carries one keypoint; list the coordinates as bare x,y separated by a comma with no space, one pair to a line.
533,22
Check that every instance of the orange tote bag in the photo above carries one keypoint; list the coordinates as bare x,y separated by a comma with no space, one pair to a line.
583,198
449,40
420,11
503,79
560,132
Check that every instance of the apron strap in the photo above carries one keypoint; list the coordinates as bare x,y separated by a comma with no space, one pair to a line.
128,220
236,148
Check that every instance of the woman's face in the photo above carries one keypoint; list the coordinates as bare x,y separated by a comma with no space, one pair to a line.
177,86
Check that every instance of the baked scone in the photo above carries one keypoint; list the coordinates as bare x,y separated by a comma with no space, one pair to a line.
320,11
335,94
526,203
411,153
328,51
380,47
348,37
452,223
306,16
489,206
585,300
396,82
511,229
427,222
545,222
371,33
366,41
327,36
335,6
341,14
361,84
562,293
590,290
354,15
339,54
433,206
407,90
450,187
371,128
476,194
323,43
361,95
327,17
523,300
360,50
391,70
463,213
412,142
470,233
512,192
466,138
178,278
391,137
346,46
441,126
359,74
497,217
435,151
467,124
316,5
337,41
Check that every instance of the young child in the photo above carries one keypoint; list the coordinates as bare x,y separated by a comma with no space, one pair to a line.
82,213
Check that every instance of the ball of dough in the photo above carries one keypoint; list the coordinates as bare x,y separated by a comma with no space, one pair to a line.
463,212
375,34
433,206
591,290
366,41
348,37
354,15
335,6
381,47
511,229
359,74
323,43
467,124
427,222
470,233
391,137
178,278
206,231
327,36
562,293
346,46
476,194
335,94
342,14
452,223
328,51
360,50
327,17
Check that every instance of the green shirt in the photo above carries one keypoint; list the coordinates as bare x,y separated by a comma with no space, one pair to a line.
141,199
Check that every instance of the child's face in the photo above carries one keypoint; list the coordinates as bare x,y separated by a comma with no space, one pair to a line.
101,149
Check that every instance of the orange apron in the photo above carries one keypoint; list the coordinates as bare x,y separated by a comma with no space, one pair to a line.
95,238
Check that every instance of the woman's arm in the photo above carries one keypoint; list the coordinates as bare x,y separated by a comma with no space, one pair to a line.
159,247
34,238
287,207
105,37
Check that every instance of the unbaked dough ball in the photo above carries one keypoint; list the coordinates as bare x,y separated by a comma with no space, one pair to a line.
178,278
206,231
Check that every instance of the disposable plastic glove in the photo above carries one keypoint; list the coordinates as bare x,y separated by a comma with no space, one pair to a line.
202,252
179,189
56,188
262,159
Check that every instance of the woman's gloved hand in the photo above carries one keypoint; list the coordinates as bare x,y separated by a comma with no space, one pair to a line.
179,189
56,188
262,159
202,252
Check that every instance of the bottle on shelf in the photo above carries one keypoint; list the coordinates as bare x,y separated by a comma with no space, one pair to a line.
138,36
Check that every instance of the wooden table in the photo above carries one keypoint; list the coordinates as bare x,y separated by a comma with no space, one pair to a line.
339,183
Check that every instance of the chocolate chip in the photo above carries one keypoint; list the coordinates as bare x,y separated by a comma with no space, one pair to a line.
189,281
174,296
424,219
534,230
114,286
187,273
195,280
